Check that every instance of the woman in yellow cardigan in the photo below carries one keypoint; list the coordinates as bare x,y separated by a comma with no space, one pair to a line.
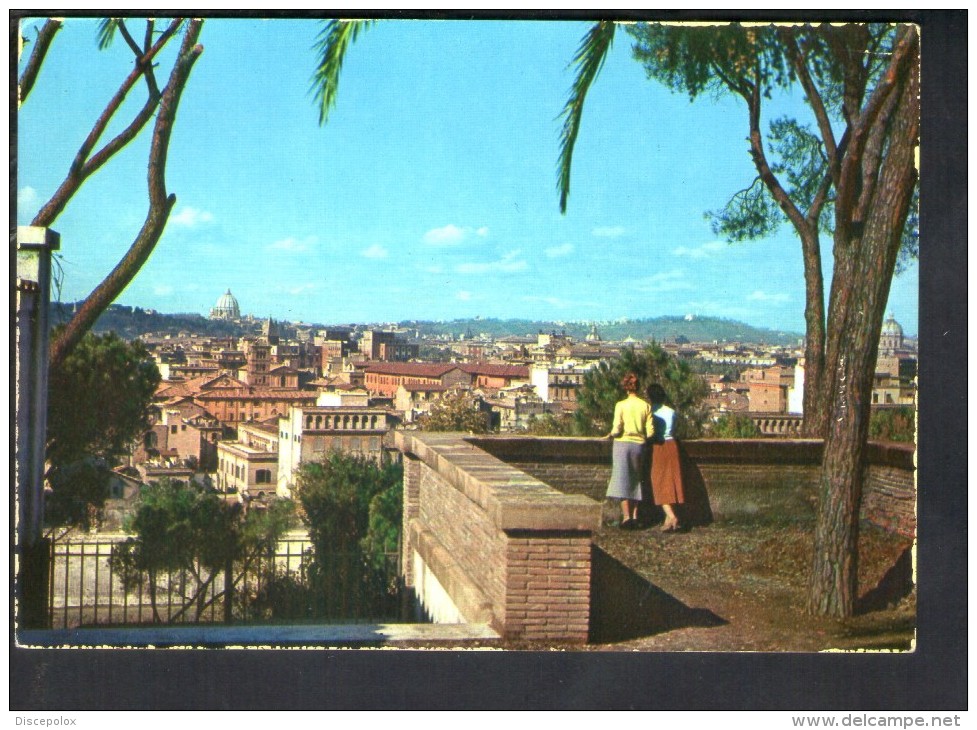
631,428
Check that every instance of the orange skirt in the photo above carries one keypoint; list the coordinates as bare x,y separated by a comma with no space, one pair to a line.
666,473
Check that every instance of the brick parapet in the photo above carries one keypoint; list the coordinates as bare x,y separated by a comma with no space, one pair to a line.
506,524
743,478
507,548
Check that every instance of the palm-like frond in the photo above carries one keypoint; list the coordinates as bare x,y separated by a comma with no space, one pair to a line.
588,61
330,47
106,32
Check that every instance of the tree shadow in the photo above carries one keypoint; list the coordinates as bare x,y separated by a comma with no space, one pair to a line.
896,584
696,510
624,605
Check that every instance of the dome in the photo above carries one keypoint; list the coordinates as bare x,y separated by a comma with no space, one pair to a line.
891,327
226,307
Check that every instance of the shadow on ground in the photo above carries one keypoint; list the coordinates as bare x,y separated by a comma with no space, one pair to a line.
896,584
625,606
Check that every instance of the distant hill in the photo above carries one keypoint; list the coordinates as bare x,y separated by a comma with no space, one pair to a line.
696,329
130,322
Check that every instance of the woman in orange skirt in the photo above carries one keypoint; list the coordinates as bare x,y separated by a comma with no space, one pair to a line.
666,464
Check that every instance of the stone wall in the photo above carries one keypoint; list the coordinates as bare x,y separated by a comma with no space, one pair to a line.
487,543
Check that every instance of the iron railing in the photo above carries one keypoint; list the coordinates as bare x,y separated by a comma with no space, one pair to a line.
86,589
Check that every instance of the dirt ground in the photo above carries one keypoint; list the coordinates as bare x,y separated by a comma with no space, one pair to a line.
741,587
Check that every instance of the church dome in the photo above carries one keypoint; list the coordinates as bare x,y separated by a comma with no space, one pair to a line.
226,307
891,337
891,327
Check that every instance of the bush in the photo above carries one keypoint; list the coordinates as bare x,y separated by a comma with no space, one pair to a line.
734,426
893,424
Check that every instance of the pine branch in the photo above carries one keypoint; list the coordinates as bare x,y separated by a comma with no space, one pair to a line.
800,65
77,173
41,45
850,182
160,205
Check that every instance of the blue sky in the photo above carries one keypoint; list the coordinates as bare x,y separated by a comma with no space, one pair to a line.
430,193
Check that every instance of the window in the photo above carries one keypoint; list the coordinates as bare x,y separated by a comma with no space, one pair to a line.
263,476
172,429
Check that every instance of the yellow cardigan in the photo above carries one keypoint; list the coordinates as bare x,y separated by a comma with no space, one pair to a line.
633,421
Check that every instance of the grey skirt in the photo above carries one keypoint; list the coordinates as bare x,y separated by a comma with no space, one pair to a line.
628,465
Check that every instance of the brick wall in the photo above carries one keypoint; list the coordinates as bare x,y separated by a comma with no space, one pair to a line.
499,530
548,586
503,547
758,479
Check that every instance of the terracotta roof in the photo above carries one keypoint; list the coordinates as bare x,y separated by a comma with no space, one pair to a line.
424,387
265,393
193,386
421,369
495,370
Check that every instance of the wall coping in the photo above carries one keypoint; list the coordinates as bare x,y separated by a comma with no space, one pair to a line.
512,499
727,451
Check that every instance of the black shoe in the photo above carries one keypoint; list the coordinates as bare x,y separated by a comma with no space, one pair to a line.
627,524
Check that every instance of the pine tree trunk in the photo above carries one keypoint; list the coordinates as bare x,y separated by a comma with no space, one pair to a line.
815,403
864,267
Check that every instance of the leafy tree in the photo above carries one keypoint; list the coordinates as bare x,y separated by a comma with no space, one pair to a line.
160,105
99,401
893,424
734,426
384,523
456,411
184,531
601,389
351,508
78,491
858,183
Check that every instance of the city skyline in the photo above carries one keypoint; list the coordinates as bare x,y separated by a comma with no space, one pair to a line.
431,192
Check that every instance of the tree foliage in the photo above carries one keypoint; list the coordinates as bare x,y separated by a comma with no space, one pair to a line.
353,510
548,424
347,499
99,401
601,389
734,426
78,491
458,410
893,424
183,530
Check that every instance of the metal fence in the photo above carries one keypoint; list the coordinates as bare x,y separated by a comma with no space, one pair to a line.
86,589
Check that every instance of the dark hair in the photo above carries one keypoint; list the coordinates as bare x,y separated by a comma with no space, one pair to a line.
656,394
630,383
